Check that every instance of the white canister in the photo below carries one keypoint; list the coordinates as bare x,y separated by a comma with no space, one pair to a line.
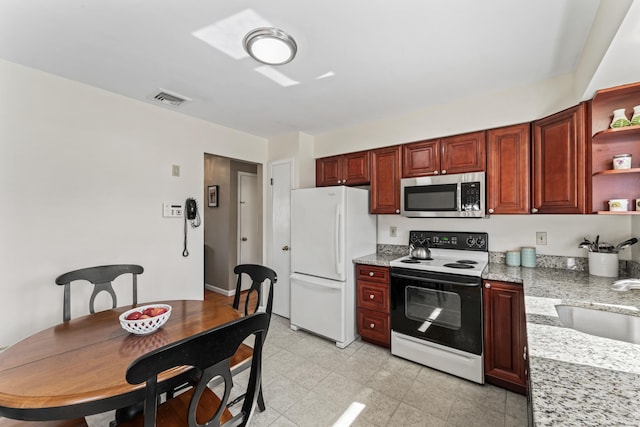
513,258
618,205
603,264
622,161
528,256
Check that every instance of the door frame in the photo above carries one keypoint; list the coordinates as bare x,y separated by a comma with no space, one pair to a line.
238,217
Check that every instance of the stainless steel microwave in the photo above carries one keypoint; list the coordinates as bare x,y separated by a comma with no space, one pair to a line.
448,196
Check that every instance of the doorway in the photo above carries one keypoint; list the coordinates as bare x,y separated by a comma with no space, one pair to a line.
281,185
247,221
221,223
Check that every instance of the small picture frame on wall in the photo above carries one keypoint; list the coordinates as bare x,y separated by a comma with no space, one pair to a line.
212,196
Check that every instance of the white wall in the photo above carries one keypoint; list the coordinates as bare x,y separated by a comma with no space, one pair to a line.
564,232
84,174
514,106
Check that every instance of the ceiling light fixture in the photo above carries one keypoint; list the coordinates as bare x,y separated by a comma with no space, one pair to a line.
270,46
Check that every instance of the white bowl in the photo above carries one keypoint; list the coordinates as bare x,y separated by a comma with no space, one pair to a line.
146,325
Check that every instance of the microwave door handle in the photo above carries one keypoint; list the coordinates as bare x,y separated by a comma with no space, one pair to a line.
439,281
459,196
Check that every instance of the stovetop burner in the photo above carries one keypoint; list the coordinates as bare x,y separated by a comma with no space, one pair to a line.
466,261
410,261
458,265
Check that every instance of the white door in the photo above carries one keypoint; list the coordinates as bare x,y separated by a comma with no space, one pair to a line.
247,221
282,181
317,232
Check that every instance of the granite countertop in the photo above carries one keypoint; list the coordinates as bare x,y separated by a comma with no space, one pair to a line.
576,378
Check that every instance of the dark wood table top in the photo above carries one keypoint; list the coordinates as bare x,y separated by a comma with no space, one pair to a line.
77,368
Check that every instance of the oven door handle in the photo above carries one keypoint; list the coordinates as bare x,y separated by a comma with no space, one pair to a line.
446,282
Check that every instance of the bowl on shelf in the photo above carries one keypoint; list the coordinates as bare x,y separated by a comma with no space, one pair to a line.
146,319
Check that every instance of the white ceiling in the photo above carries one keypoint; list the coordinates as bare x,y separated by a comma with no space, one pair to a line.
387,56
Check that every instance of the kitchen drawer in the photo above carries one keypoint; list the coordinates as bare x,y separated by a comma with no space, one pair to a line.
373,296
372,274
374,326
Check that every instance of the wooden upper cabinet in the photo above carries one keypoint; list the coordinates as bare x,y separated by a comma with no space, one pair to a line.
454,154
329,171
421,158
463,153
385,180
561,162
355,168
508,170
345,169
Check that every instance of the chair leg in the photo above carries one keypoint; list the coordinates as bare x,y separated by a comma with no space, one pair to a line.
261,400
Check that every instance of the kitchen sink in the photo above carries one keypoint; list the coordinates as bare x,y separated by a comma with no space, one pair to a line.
617,326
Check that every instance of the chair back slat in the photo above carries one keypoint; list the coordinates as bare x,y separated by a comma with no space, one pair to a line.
101,277
258,275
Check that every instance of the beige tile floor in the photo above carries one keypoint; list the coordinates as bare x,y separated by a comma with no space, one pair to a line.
308,381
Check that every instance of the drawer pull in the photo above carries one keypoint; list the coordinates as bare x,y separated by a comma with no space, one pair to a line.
372,326
371,296
371,273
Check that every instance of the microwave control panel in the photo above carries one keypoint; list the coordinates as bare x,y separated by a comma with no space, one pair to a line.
470,198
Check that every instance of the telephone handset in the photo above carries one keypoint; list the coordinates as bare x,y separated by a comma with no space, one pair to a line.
191,207
190,214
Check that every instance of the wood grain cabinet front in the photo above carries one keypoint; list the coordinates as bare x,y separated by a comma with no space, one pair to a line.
454,154
372,300
344,169
508,170
505,336
561,149
386,168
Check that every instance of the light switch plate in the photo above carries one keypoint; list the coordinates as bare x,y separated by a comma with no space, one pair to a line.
541,237
172,210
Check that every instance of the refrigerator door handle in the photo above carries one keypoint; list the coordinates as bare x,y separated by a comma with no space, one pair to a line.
337,239
317,283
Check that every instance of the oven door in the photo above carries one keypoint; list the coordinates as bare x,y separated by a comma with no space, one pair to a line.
438,307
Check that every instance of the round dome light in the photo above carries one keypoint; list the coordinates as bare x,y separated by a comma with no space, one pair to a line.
270,46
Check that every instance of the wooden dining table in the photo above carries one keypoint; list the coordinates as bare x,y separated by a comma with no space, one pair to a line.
77,368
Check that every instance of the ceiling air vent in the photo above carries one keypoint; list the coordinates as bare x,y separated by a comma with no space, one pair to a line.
170,98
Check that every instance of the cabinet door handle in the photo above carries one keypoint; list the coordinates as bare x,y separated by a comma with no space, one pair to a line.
534,210
371,273
490,210
397,210
487,285
444,171
371,296
372,326
435,172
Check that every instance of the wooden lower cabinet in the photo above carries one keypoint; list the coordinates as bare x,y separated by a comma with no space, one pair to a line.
372,299
505,336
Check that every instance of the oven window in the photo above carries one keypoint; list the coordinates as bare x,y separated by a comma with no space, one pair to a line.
432,307
431,198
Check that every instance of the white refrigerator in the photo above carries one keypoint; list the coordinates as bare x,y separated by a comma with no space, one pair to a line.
330,226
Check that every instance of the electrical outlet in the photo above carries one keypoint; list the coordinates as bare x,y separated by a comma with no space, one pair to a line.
541,237
393,231
175,170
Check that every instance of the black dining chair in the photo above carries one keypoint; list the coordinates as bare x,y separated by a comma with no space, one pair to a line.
101,278
258,274
209,353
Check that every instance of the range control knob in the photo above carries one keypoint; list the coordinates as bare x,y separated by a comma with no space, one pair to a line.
480,242
471,241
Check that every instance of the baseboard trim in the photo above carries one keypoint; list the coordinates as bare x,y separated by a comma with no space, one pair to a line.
225,292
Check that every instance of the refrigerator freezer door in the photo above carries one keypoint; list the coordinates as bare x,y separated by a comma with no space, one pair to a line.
318,232
317,305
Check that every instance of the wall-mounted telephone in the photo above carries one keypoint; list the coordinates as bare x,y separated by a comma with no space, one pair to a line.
190,214
191,207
